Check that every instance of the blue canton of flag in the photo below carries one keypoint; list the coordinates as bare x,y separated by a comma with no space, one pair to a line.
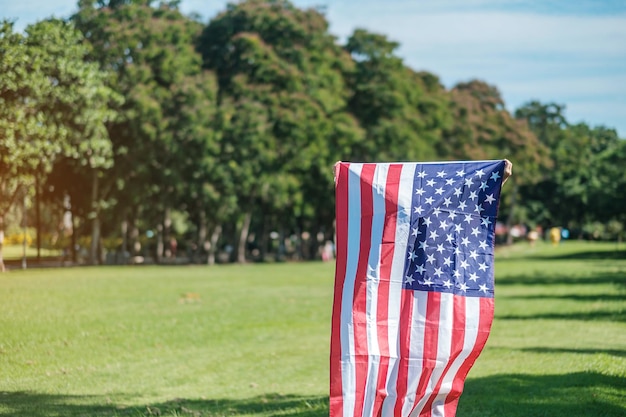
451,237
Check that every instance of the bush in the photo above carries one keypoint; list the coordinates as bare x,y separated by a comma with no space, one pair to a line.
17,238
611,230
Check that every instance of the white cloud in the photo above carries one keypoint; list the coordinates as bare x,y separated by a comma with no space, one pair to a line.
571,59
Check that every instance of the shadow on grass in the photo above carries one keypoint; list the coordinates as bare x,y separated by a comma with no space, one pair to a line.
580,394
612,278
28,404
616,254
598,315
610,352
573,297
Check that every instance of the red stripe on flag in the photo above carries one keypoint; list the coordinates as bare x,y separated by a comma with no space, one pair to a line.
458,338
431,340
359,305
484,326
341,196
404,347
386,259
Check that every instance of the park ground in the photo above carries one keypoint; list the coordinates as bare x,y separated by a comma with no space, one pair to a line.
253,340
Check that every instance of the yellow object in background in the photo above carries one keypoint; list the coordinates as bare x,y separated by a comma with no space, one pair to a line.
555,235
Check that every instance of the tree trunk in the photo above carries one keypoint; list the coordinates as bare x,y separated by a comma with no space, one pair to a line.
100,250
1,243
124,230
167,230
24,228
94,257
38,216
215,236
159,247
264,240
134,234
73,238
243,238
280,250
297,255
6,205
202,232
307,243
95,225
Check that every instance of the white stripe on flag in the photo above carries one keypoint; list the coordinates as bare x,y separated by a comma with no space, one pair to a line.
396,283
446,323
418,327
373,281
348,368
472,317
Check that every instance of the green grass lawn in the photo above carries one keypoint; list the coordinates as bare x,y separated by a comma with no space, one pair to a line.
253,340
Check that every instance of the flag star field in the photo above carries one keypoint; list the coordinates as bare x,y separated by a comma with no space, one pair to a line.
450,245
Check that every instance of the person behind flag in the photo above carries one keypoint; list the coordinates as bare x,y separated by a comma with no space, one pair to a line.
414,287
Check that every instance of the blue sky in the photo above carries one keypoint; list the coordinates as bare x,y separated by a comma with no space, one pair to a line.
571,52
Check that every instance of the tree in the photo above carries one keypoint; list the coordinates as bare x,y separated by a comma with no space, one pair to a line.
151,50
484,129
606,196
403,112
54,104
563,196
281,84
82,107
207,192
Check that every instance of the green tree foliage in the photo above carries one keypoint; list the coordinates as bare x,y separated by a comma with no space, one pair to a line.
54,105
85,106
484,129
234,126
403,112
563,196
165,136
606,189
282,98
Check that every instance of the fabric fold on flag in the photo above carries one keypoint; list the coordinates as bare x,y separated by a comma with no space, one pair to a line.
414,284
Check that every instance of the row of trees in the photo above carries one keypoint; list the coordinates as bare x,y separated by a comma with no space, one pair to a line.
133,117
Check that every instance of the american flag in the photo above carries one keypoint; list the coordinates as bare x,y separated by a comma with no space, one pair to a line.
414,284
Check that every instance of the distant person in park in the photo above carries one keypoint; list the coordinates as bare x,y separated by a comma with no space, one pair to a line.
532,237
555,235
328,251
